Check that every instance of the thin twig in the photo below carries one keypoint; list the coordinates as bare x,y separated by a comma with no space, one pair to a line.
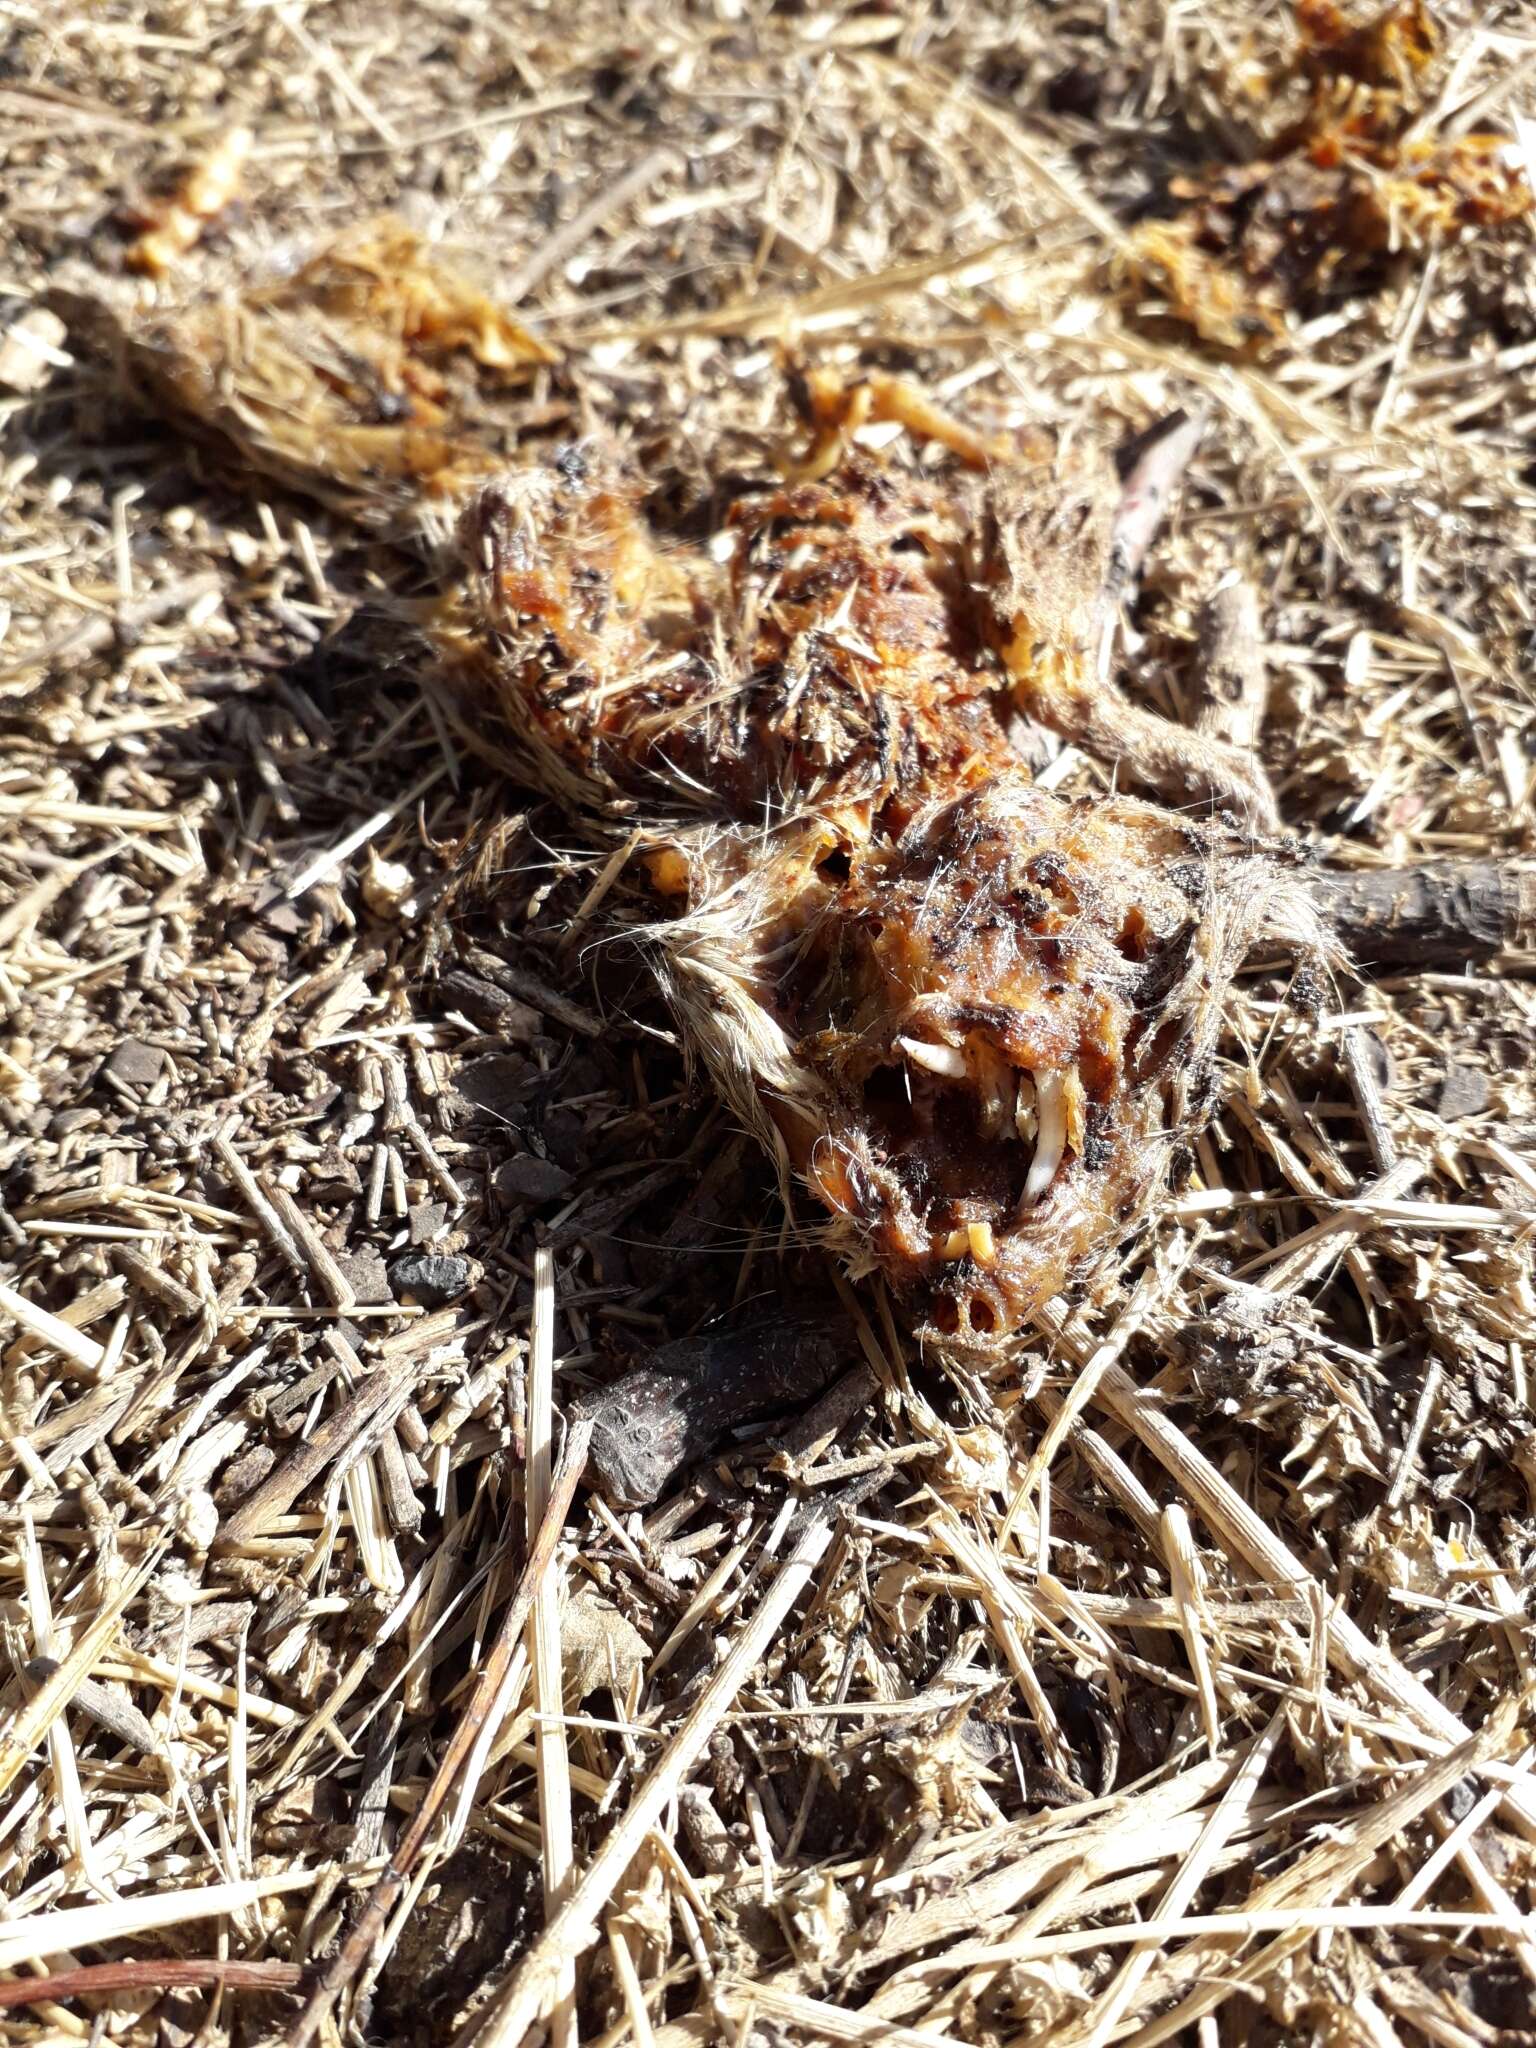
554,1768
151,1973
554,250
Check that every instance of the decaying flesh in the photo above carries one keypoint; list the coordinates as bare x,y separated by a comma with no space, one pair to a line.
352,379
843,644
835,411
822,654
172,226
977,1040
1358,176
971,1016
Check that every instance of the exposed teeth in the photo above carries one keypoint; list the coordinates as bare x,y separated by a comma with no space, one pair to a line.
983,1246
957,1244
1025,1121
1050,1097
947,1060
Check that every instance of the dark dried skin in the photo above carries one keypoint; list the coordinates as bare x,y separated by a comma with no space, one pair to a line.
675,1409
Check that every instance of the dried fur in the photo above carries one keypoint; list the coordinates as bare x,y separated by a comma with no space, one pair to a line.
810,718
1095,943
356,380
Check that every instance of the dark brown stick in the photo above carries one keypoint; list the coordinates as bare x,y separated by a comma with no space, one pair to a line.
372,1807
532,988
353,1953
1441,914
151,1973
119,1716
1366,1089
1438,914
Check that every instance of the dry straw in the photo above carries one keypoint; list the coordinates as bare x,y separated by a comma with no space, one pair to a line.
1170,1679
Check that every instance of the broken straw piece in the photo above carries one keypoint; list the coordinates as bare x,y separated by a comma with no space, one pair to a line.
52,1330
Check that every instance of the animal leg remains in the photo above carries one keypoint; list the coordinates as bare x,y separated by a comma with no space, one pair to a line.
1059,568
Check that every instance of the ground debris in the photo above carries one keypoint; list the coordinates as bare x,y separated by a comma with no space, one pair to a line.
431,1278
171,226
1168,1672
31,348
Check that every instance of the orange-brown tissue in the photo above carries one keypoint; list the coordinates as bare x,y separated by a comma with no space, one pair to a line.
988,1009
824,653
969,1015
